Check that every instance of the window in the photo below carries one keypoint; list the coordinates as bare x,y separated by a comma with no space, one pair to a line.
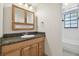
71,20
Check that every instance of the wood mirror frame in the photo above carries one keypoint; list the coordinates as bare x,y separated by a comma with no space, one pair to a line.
25,19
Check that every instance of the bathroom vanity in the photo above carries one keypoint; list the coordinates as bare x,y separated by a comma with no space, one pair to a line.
17,46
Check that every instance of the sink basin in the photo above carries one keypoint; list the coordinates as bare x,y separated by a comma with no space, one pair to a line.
27,36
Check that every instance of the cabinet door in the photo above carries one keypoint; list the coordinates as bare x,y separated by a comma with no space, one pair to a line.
12,53
34,50
26,51
41,48
41,51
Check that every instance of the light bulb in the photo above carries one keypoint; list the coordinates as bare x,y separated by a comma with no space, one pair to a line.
20,3
31,8
26,5
65,4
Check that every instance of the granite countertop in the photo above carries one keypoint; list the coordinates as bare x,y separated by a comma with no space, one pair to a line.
11,40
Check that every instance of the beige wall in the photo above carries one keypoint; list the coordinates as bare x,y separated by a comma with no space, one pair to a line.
1,19
7,27
50,14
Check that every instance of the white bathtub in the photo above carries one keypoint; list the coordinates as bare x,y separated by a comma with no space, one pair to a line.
71,46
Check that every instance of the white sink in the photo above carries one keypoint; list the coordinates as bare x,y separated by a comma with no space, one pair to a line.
27,36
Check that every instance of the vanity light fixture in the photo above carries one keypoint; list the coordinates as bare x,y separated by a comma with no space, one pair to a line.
20,3
27,5
65,4
30,7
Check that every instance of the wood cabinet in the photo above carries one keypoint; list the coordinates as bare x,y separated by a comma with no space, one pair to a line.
13,53
26,51
41,48
33,47
30,50
34,50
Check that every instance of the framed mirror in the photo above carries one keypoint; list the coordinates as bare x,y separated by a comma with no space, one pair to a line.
29,17
19,14
22,19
